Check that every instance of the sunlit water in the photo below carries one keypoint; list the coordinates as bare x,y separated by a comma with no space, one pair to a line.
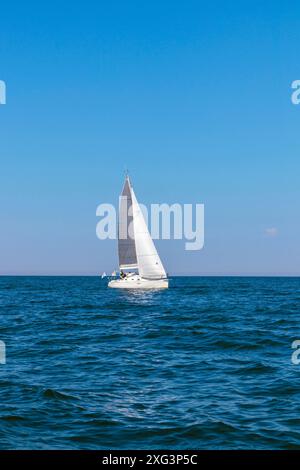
205,364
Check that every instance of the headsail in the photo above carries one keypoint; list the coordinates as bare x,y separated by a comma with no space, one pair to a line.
149,263
126,242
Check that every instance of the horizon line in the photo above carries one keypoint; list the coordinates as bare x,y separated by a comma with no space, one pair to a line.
170,275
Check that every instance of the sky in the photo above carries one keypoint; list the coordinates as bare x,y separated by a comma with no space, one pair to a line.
193,97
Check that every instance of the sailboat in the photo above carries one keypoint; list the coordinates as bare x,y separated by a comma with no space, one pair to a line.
140,265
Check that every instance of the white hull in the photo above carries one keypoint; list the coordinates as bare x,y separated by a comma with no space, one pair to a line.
136,282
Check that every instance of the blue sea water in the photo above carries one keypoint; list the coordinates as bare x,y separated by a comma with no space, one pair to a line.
205,364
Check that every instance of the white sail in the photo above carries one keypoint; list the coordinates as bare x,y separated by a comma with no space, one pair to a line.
149,263
126,243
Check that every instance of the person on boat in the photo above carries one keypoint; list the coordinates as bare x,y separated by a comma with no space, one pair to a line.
122,275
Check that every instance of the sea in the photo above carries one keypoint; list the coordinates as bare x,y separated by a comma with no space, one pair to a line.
210,363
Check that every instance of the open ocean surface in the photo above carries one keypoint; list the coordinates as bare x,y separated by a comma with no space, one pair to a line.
205,364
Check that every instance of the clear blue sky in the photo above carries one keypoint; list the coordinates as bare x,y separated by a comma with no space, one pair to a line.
193,97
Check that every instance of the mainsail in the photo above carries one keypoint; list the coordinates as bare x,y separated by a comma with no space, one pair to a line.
136,247
126,243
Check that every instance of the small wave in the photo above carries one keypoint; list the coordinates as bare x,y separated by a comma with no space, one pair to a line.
51,393
255,369
12,418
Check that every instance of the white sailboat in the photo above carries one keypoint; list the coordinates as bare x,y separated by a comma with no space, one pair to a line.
140,265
